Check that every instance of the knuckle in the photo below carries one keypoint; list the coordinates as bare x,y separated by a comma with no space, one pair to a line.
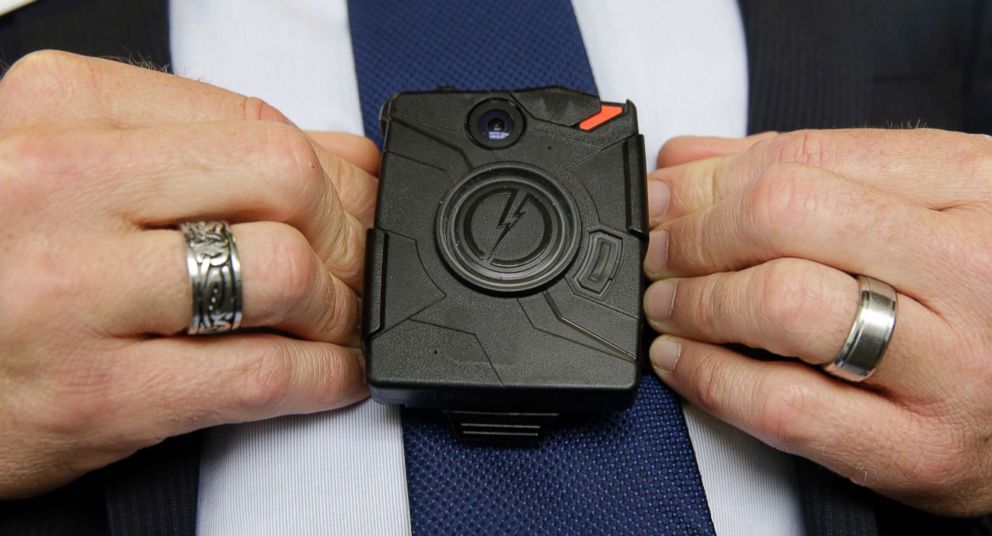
334,379
934,474
780,200
256,109
290,267
784,411
295,165
266,379
786,296
976,148
82,412
26,156
38,162
980,160
967,248
975,159
43,278
349,249
44,76
341,314
709,306
801,146
18,172
343,174
942,465
37,64
80,396
710,384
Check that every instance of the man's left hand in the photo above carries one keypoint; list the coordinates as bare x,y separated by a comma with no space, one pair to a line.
755,242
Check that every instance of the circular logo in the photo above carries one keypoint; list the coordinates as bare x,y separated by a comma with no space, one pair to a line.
507,229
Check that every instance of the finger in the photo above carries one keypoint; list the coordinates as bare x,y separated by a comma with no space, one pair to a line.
261,171
791,307
685,149
355,187
59,86
285,285
188,383
254,160
282,179
798,409
358,150
801,211
271,170
932,168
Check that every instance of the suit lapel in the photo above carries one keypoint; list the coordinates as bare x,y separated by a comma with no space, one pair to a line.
154,492
133,30
807,64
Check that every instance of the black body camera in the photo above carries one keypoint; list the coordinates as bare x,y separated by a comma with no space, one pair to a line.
503,275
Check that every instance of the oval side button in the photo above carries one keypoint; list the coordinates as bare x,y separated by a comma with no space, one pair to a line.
601,262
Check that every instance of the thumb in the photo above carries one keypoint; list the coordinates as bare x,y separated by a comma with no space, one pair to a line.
358,150
684,149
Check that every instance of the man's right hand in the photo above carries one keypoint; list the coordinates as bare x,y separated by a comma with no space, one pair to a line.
99,162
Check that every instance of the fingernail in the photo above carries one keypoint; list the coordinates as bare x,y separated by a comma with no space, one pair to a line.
665,354
657,255
660,299
659,194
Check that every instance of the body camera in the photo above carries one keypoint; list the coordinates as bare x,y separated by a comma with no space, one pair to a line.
504,269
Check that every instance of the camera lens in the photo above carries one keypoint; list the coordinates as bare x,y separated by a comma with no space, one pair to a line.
495,123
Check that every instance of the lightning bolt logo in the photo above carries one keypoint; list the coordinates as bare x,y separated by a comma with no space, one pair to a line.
512,213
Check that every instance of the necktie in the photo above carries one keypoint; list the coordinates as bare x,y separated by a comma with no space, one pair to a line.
629,472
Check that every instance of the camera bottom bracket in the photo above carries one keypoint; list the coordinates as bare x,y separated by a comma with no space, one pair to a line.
507,229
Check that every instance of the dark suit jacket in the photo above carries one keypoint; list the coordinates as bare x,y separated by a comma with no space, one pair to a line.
812,64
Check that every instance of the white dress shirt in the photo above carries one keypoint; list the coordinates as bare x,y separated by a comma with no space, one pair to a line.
6,6
682,62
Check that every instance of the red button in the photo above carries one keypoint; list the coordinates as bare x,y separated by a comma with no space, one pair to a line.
605,113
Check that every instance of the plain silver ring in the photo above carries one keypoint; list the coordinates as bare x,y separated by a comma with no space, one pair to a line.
214,277
870,333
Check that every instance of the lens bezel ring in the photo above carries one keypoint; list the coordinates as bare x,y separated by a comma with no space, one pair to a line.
489,105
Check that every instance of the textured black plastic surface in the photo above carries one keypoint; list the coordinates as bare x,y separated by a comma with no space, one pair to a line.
506,276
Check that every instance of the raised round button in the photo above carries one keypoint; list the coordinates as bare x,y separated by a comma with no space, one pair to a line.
507,229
